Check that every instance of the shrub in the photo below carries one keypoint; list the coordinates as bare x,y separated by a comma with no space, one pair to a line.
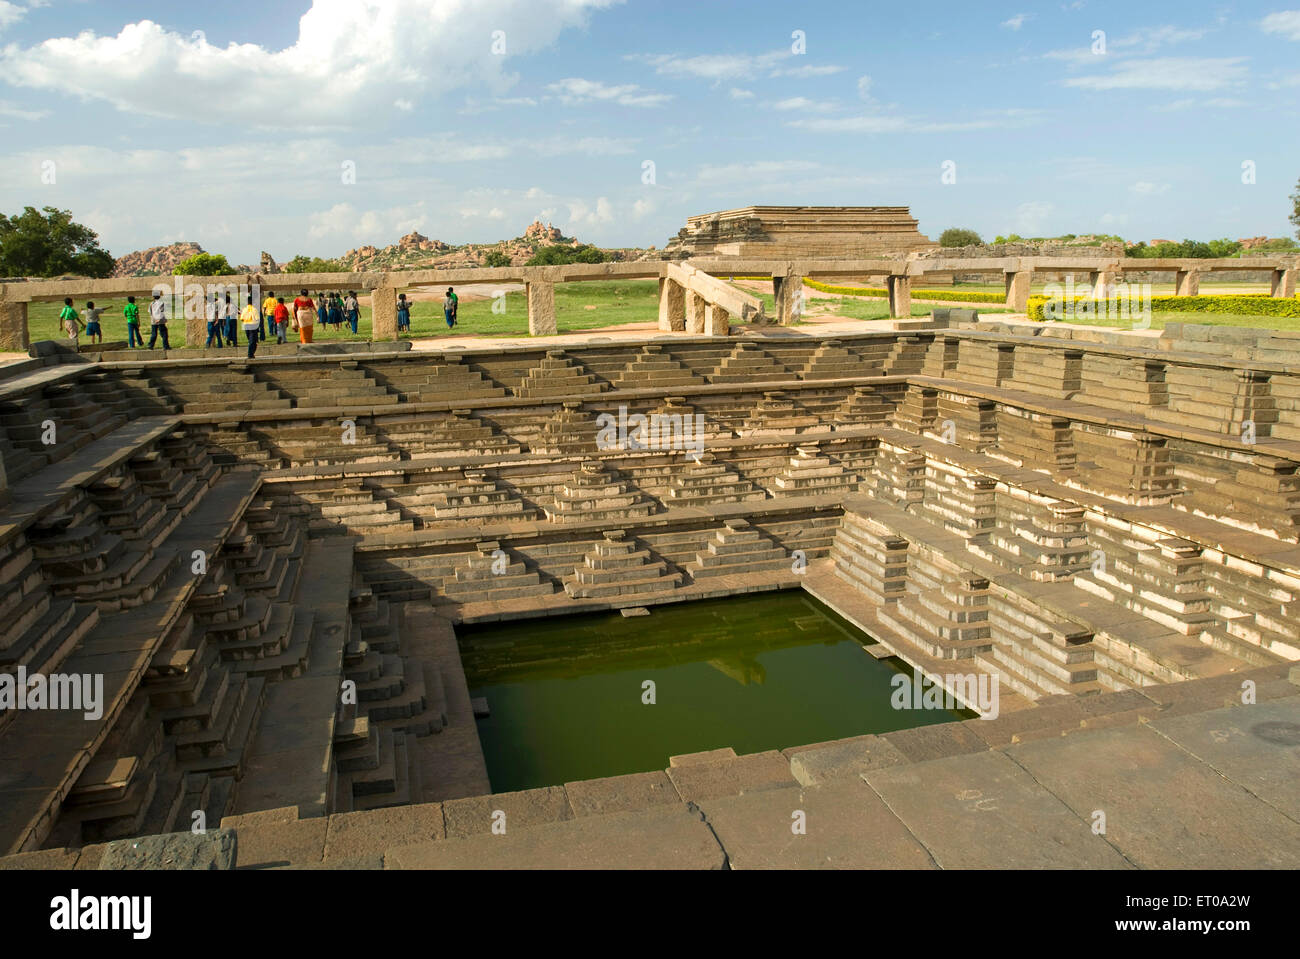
203,264
311,264
496,258
1251,304
956,236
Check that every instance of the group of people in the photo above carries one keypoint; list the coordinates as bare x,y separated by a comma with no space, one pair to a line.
89,322
224,319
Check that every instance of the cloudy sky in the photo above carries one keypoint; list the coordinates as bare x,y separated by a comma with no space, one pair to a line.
315,126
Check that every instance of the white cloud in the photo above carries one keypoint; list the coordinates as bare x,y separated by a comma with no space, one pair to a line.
710,66
642,208
10,13
496,213
350,61
1031,217
864,87
889,123
406,106
755,170
575,90
1167,73
811,70
1016,22
802,103
9,109
1145,188
1285,22
582,215
738,94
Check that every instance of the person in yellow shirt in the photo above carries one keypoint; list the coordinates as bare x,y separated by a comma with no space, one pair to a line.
251,319
268,315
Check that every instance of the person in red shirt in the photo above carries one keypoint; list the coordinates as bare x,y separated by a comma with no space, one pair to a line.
281,316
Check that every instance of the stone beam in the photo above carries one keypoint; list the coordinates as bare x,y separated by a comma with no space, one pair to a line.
900,296
14,337
672,306
541,307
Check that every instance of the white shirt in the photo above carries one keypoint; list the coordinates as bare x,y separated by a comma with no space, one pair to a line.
158,311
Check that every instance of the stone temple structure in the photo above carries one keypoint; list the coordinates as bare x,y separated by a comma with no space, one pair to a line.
1107,524
785,232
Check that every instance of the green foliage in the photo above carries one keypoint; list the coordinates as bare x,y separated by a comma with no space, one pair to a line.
559,255
1215,249
1252,304
953,296
496,258
311,264
47,243
1295,209
956,236
203,264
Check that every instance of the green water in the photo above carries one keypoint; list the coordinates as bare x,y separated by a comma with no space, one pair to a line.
753,672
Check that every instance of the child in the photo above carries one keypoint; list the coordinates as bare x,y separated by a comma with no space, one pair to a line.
281,320
403,313
211,312
449,304
251,320
132,314
352,310
70,322
336,312
232,323
92,323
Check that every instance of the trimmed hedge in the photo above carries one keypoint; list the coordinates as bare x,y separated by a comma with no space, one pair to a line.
1252,304
946,295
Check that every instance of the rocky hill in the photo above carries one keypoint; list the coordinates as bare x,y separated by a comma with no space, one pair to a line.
156,261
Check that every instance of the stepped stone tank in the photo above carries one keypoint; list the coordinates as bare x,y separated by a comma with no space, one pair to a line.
1108,526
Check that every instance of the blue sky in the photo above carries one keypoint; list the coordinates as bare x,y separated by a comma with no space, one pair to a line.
316,127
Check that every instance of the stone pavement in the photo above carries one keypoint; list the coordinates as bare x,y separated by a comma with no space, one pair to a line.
1150,784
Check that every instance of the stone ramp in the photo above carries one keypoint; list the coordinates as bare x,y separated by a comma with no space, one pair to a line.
290,762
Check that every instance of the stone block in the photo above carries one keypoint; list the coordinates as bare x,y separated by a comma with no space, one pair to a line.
179,850
383,313
14,336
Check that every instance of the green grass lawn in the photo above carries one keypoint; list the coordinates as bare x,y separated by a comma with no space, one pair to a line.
615,303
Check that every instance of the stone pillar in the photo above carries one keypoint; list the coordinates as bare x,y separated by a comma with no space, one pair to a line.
194,315
717,321
541,308
1100,281
13,327
672,306
383,313
900,296
788,292
1187,282
1283,285
695,310
1018,290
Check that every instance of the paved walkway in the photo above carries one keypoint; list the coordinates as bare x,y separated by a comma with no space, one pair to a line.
1161,778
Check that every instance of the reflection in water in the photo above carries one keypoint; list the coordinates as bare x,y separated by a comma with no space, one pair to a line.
568,695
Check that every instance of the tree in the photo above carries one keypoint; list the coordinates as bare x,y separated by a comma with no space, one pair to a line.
47,243
1295,209
496,258
311,264
956,236
203,264
557,255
